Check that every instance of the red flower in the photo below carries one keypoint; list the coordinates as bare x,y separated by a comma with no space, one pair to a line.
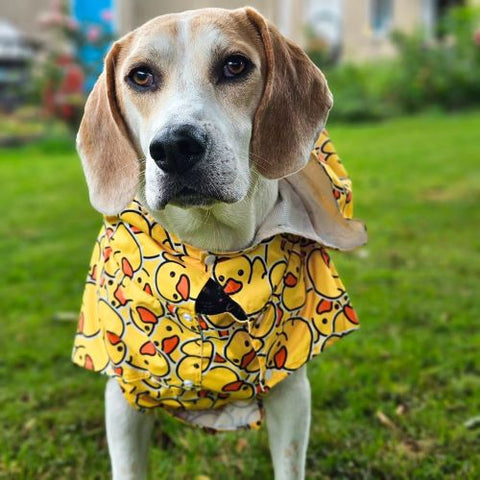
476,37
93,34
107,15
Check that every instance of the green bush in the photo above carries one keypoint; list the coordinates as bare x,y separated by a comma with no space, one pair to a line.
361,92
446,73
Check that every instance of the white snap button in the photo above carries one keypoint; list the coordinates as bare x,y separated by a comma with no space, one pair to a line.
209,260
188,384
187,317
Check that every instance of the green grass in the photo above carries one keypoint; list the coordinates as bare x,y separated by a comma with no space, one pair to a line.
390,401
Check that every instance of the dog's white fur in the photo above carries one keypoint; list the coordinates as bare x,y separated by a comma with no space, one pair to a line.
188,96
287,412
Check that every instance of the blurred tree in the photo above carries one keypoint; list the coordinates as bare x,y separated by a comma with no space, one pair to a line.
73,54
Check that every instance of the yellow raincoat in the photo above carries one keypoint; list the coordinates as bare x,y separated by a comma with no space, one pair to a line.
205,335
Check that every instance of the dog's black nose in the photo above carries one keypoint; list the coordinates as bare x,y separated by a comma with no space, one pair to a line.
177,149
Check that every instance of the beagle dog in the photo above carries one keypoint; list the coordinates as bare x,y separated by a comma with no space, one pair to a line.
207,121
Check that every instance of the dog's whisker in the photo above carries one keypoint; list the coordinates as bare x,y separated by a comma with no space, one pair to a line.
262,159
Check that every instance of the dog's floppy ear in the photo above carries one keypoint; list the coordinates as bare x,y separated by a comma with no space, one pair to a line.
108,156
294,107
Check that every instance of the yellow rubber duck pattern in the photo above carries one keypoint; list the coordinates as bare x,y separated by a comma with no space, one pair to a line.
206,335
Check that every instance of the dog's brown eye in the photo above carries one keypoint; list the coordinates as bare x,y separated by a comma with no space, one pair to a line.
234,66
142,77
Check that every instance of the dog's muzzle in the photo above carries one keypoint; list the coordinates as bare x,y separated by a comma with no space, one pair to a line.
191,171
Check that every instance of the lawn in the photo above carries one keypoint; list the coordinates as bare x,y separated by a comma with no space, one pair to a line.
392,401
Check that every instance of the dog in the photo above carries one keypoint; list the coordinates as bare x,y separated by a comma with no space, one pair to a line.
210,286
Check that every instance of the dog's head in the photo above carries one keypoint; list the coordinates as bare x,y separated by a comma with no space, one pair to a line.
189,105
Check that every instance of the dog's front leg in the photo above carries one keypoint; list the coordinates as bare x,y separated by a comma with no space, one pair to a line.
287,410
128,435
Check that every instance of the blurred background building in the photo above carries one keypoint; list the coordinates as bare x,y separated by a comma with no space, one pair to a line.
351,29
51,51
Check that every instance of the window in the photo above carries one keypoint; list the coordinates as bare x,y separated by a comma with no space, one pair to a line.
381,16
